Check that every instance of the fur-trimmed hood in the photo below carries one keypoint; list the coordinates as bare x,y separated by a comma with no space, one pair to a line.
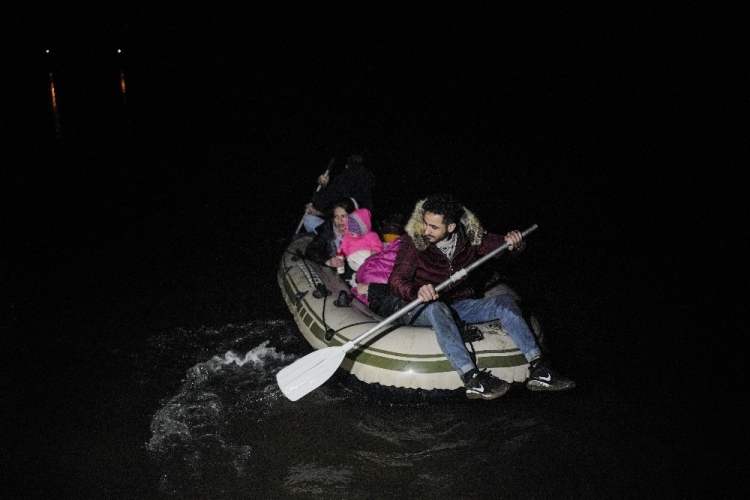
469,225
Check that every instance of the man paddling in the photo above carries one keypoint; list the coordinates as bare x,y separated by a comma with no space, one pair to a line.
443,237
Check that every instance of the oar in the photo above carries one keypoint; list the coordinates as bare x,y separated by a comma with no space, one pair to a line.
311,371
328,170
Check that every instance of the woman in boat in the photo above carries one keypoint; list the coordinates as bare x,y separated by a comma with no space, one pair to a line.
355,181
327,240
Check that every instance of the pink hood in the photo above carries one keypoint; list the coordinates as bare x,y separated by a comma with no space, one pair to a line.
370,240
361,218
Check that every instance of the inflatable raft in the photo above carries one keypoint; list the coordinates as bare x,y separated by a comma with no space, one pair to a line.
400,356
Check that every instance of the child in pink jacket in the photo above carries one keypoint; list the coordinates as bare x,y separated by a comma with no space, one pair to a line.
359,241
375,271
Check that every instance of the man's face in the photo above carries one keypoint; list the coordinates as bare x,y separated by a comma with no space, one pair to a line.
435,229
339,218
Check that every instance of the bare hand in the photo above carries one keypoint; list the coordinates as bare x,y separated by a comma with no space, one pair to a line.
513,239
323,179
427,293
310,209
335,262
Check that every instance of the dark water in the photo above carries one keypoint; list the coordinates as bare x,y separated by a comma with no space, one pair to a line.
141,320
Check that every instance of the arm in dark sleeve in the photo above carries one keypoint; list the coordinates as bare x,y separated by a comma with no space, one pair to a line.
402,278
318,250
324,198
491,241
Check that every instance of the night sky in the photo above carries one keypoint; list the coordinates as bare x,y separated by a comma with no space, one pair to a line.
581,90
621,107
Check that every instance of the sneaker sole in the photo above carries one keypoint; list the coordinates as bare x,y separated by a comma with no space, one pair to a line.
536,385
488,395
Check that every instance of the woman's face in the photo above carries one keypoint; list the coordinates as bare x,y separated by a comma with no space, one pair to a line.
339,218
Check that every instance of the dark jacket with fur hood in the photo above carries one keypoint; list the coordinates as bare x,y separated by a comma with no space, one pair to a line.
419,262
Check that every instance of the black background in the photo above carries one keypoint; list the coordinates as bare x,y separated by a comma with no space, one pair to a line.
614,127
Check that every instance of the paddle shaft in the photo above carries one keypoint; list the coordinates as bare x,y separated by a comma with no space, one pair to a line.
452,279
302,220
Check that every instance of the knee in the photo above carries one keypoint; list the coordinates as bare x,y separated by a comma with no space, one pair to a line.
437,310
506,302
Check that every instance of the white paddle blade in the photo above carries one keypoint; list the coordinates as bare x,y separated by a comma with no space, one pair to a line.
310,372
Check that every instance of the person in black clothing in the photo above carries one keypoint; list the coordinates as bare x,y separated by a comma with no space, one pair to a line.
355,182
322,249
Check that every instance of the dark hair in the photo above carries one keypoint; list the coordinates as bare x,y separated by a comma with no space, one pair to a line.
445,205
345,203
394,224
354,160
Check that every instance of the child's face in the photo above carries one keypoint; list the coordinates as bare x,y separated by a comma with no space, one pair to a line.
351,226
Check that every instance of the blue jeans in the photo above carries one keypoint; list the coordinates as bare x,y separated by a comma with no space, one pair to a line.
440,317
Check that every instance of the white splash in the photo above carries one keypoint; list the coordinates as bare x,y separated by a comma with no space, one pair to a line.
261,358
